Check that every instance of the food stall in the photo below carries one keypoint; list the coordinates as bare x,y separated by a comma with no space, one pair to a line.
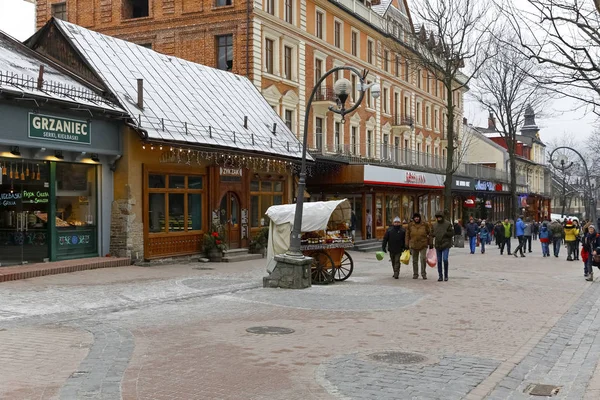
325,237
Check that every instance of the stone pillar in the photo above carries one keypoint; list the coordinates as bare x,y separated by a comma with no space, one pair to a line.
289,273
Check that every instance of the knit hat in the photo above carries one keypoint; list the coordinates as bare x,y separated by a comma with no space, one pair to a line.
397,219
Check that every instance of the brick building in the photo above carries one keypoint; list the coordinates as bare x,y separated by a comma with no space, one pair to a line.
283,47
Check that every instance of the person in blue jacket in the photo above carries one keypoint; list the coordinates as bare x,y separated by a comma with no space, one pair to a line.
472,231
520,230
545,239
484,235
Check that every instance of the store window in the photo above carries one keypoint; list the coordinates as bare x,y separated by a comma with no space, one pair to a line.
424,207
379,211
76,210
175,202
408,204
392,209
264,194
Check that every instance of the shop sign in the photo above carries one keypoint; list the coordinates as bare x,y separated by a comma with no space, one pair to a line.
36,197
224,171
470,202
462,184
9,199
485,185
376,175
488,204
59,129
523,201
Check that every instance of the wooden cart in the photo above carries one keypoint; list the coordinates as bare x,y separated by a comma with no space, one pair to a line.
330,261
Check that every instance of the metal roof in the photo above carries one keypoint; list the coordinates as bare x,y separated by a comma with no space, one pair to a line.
19,73
184,101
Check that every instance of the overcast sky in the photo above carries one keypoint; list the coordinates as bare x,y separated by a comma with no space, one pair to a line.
561,118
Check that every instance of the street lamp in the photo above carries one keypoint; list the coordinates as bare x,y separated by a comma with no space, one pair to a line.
342,89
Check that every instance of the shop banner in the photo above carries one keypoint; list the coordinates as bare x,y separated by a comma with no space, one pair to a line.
59,129
488,204
374,175
488,186
461,183
470,202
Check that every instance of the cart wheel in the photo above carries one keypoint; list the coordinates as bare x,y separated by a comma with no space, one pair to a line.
344,270
321,268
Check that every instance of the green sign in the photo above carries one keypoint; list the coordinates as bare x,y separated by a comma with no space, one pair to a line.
59,129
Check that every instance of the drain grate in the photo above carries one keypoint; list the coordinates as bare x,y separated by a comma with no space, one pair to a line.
397,357
542,390
270,330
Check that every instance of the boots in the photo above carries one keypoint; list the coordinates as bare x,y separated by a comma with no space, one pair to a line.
445,270
590,277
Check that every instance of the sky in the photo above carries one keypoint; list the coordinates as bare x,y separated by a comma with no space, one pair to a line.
561,118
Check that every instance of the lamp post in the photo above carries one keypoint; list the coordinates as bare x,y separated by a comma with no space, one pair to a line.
342,89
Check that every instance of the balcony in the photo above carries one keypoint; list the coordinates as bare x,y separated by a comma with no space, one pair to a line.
402,123
324,97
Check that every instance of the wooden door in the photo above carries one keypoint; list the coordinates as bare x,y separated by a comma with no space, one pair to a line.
230,219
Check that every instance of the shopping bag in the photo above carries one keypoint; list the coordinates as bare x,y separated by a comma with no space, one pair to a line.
380,255
432,258
405,257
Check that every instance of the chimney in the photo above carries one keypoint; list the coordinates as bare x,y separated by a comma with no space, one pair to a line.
491,121
140,93
465,121
40,81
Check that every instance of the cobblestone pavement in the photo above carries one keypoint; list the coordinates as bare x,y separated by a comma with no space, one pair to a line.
497,326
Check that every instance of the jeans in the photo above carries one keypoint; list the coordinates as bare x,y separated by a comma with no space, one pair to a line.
503,243
521,245
473,244
556,243
527,243
483,246
587,267
442,255
546,249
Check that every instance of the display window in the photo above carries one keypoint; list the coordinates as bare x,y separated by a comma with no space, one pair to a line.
264,194
379,210
408,205
392,208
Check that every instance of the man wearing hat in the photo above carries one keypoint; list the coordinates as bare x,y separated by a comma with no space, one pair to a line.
418,237
442,234
394,240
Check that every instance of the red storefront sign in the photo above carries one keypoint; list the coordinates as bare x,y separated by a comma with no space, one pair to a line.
470,202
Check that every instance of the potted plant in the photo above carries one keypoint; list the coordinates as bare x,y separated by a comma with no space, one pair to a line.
259,243
214,244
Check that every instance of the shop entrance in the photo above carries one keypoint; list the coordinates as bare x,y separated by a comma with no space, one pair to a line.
229,212
24,203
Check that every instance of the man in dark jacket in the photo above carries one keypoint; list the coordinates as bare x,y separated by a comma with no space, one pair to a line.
472,231
394,240
499,233
557,235
442,236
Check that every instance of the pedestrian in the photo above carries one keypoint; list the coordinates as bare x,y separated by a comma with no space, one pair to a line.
536,230
557,233
577,239
369,223
353,222
545,240
527,233
442,234
418,237
591,241
490,227
499,233
394,240
472,231
457,234
520,231
570,239
507,226
484,235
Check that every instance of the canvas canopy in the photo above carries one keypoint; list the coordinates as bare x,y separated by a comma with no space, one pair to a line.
315,217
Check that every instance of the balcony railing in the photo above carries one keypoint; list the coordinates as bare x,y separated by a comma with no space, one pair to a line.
325,93
402,120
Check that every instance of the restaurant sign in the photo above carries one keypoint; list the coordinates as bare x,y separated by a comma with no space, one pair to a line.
485,186
59,129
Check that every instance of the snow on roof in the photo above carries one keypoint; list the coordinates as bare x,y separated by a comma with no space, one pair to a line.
382,7
19,72
184,101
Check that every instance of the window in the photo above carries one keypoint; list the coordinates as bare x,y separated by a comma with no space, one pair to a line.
264,194
370,52
353,140
289,11
406,70
336,137
225,52
289,119
397,69
222,3
269,56
436,117
318,70
419,76
397,149
185,197
270,6
135,9
355,43
386,143
428,84
319,133
386,61
319,25
369,143
419,112
287,62
337,38
396,104
385,100
406,108
427,117
437,87
59,10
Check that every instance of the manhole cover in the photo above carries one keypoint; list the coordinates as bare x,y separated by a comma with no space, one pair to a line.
542,390
270,330
397,357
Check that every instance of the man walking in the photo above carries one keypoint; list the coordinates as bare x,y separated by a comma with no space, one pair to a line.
418,237
472,231
499,234
557,232
458,235
442,234
528,232
394,240
520,230
507,226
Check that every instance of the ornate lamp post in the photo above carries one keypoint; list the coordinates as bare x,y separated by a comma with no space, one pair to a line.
342,89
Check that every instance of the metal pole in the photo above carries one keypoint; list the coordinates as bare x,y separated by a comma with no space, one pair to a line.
564,196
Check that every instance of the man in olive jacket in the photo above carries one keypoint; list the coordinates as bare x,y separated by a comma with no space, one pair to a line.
418,237
394,240
442,235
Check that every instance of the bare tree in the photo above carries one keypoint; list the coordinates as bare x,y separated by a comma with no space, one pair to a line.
452,46
507,89
563,36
